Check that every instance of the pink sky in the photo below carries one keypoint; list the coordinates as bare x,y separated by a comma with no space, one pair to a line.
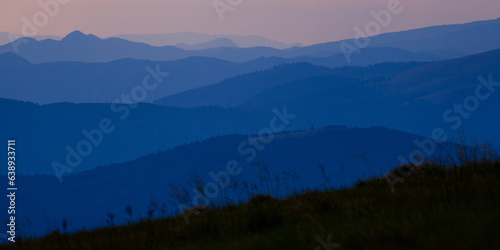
289,21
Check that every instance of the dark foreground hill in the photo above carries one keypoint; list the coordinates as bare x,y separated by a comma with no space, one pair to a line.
280,165
438,207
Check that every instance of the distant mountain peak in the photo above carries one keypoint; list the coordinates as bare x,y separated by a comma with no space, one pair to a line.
75,33
78,35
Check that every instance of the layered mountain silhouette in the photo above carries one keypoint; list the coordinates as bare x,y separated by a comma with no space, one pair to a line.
236,90
106,82
6,37
458,96
192,38
411,77
445,41
292,158
406,97
411,97
78,47
432,42
85,151
139,129
216,43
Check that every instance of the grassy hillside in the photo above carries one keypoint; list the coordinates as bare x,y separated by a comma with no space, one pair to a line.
436,207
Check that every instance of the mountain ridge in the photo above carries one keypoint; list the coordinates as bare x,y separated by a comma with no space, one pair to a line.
338,148
111,49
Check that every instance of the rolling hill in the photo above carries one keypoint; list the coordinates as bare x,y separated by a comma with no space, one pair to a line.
419,100
236,90
444,41
106,82
409,97
413,99
460,199
191,38
44,132
288,163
